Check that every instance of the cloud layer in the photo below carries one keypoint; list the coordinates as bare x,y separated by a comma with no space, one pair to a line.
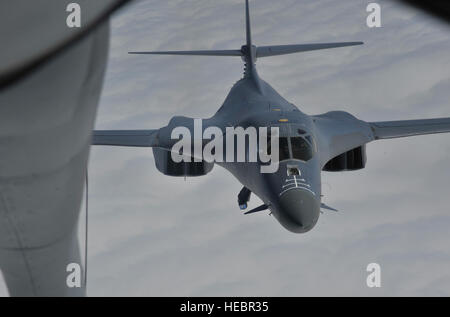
155,235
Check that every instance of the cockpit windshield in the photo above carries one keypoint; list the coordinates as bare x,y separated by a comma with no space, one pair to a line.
284,149
299,148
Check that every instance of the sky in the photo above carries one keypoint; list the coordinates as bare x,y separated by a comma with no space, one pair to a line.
154,235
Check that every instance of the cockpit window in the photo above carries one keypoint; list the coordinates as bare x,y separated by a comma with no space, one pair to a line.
311,141
284,149
301,149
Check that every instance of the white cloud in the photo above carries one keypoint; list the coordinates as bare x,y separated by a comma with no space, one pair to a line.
155,235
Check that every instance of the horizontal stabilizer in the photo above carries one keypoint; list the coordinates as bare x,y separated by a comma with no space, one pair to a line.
273,50
194,53
140,138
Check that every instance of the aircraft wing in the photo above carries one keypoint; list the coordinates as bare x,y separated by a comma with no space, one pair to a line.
339,132
405,128
139,138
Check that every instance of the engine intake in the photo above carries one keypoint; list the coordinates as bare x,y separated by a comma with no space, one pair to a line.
349,161
165,164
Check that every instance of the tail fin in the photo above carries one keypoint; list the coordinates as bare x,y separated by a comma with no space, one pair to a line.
248,28
250,53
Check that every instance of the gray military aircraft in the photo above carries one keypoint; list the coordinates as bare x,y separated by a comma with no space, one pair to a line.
333,142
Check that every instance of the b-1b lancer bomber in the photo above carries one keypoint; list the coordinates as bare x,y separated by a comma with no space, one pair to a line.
305,145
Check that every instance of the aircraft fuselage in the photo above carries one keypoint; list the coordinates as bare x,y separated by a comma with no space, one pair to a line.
293,192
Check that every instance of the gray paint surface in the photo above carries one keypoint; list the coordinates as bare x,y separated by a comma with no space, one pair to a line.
140,251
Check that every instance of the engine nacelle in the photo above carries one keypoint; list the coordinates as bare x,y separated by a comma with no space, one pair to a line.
349,161
165,164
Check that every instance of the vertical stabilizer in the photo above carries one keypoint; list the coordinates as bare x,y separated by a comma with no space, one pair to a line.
249,51
247,25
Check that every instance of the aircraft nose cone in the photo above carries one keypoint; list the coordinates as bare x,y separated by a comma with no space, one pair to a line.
299,209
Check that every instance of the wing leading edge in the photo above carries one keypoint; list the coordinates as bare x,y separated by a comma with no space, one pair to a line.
405,128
